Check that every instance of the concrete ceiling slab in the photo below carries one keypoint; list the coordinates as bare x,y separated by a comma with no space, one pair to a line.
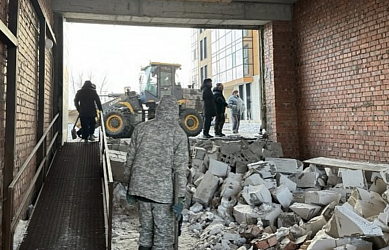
247,14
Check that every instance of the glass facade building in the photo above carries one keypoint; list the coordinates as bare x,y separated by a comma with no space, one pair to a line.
232,58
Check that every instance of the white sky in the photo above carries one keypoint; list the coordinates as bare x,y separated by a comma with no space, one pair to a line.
118,52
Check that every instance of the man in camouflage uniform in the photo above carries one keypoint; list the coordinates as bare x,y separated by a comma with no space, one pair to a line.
158,148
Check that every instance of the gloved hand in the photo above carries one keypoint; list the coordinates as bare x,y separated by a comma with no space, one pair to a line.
179,206
130,199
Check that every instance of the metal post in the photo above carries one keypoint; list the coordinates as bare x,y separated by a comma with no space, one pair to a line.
58,76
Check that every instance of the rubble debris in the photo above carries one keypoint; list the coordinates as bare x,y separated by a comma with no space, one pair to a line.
323,197
347,223
206,189
242,195
286,166
305,211
352,178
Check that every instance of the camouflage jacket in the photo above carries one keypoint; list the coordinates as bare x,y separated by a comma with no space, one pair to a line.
158,148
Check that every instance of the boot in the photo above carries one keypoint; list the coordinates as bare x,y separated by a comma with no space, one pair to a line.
144,248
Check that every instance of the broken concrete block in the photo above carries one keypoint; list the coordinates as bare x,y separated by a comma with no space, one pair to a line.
245,214
385,175
205,191
323,241
240,167
226,206
268,213
118,160
229,147
332,176
344,192
379,185
346,247
256,148
365,203
214,153
231,185
256,195
352,178
288,219
198,178
305,180
253,180
305,211
286,166
383,219
323,197
265,168
283,196
315,224
218,168
197,207
299,196
275,149
283,180
329,210
346,223
199,153
385,196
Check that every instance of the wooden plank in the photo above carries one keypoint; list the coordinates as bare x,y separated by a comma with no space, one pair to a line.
336,163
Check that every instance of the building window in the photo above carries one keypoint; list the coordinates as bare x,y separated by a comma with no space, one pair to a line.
246,60
194,54
245,33
202,74
206,71
201,50
205,47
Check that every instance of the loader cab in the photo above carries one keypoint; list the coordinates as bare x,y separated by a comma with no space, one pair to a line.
157,80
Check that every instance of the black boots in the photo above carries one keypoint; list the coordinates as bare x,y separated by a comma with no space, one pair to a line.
144,248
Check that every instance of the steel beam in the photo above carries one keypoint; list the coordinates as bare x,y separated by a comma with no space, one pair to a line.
58,76
41,15
10,124
41,85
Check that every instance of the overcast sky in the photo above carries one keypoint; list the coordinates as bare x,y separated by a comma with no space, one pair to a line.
118,52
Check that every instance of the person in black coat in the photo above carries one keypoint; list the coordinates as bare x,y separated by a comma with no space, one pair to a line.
220,108
209,109
85,101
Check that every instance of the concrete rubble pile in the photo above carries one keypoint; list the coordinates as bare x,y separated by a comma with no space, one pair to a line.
242,195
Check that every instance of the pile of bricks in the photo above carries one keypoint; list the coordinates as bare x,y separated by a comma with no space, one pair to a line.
243,195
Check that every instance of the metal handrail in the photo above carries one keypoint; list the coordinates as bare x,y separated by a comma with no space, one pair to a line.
107,184
14,218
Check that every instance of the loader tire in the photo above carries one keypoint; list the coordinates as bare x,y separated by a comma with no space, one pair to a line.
117,124
191,122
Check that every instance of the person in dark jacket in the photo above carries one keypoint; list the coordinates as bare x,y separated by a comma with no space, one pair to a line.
220,108
209,109
85,101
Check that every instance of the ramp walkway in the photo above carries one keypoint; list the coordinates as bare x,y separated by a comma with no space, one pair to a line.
70,211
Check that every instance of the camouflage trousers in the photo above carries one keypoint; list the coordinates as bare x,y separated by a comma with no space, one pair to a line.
156,225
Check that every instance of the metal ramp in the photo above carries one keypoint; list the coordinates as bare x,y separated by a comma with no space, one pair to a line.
70,211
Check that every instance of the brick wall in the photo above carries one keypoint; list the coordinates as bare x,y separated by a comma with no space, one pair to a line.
27,92
281,104
342,69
